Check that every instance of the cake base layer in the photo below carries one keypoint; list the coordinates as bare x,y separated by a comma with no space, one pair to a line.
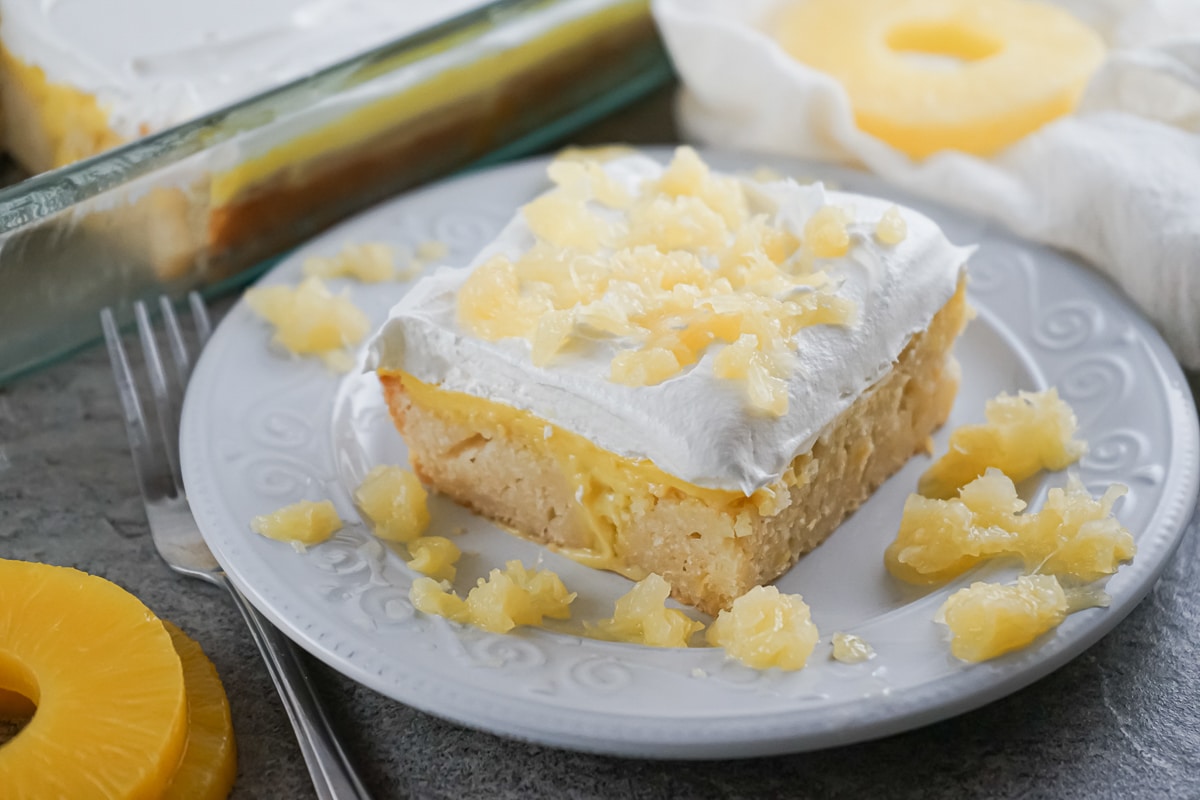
712,546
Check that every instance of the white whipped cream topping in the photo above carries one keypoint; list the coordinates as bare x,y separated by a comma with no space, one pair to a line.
156,64
694,425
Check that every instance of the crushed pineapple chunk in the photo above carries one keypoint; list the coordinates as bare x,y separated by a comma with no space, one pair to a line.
434,556
394,501
640,617
309,319
435,597
891,228
764,628
672,268
1023,435
826,233
507,598
1073,536
369,262
851,649
989,619
305,523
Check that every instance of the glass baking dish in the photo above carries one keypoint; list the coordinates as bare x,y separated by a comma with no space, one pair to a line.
207,203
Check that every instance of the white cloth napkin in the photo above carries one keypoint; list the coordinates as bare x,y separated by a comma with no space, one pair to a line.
1117,182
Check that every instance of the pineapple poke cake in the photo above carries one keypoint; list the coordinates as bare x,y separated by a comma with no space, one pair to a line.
665,369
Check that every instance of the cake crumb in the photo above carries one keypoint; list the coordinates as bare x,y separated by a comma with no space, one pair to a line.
697,672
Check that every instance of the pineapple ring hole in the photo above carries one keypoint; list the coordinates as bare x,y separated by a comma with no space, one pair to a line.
18,697
942,44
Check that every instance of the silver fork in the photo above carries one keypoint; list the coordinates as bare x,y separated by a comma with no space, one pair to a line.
177,537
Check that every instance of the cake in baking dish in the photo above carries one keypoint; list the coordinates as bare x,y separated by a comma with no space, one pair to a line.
661,368
77,78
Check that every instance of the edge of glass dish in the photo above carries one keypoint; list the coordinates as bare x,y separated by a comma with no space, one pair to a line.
50,192
523,146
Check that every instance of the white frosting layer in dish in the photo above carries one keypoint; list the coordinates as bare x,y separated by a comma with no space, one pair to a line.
155,64
694,425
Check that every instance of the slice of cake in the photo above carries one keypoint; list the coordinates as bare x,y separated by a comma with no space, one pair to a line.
664,369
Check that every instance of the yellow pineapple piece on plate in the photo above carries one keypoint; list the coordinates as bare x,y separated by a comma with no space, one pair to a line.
989,619
209,765
765,628
309,319
106,682
303,523
434,556
1023,435
930,75
395,502
641,617
1074,535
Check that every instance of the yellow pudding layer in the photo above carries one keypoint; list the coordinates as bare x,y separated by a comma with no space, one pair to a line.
930,75
605,485
45,124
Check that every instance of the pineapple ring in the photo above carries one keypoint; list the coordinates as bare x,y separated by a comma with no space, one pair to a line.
209,764
1014,65
106,682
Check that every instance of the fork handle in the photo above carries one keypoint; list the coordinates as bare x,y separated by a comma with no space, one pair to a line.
332,775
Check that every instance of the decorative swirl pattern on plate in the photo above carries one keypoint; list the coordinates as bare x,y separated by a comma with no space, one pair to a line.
387,605
282,476
346,556
1118,451
283,428
1094,378
1067,326
505,651
600,675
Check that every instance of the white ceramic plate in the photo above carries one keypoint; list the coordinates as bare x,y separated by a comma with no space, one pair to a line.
261,430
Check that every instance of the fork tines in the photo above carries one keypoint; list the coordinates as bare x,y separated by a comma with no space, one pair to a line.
157,464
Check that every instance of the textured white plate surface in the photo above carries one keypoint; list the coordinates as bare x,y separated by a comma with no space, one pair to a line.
261,430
